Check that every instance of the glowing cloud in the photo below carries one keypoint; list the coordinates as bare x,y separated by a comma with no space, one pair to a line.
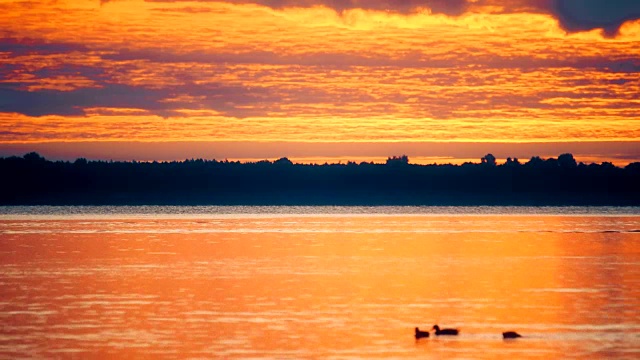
319,71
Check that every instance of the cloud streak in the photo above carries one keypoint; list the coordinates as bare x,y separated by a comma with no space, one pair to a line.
293,71
572,15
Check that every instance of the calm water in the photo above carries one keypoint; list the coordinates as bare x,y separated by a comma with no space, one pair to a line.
298,282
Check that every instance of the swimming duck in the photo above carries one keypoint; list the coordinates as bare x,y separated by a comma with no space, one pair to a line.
445,331
510,335
421,334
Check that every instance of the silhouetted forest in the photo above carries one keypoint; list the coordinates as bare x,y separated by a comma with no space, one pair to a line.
31,179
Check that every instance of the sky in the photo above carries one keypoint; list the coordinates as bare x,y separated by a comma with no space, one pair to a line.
320,80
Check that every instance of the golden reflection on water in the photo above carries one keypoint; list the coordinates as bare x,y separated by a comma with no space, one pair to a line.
320,287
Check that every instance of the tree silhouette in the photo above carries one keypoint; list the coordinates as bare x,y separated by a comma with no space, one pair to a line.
398,160
283,161
33,180
535,162
512,162
566,161
488,160
34,157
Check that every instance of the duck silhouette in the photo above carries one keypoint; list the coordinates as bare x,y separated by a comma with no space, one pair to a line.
421,334
445,331
510,335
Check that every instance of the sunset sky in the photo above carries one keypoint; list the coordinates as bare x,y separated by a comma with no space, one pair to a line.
317,80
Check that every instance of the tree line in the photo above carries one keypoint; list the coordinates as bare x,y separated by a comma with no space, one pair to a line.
33,180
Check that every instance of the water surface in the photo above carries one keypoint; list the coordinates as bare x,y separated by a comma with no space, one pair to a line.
245,282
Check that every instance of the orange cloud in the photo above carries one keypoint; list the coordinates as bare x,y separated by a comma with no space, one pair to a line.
219,71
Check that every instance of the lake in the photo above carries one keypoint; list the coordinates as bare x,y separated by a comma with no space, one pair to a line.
319,282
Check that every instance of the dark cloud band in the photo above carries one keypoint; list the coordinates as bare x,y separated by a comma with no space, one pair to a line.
590,14
573,15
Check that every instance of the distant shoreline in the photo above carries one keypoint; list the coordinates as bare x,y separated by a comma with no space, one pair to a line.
33,180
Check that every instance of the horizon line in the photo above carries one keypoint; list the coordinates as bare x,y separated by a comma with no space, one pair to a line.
347,161
617,152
